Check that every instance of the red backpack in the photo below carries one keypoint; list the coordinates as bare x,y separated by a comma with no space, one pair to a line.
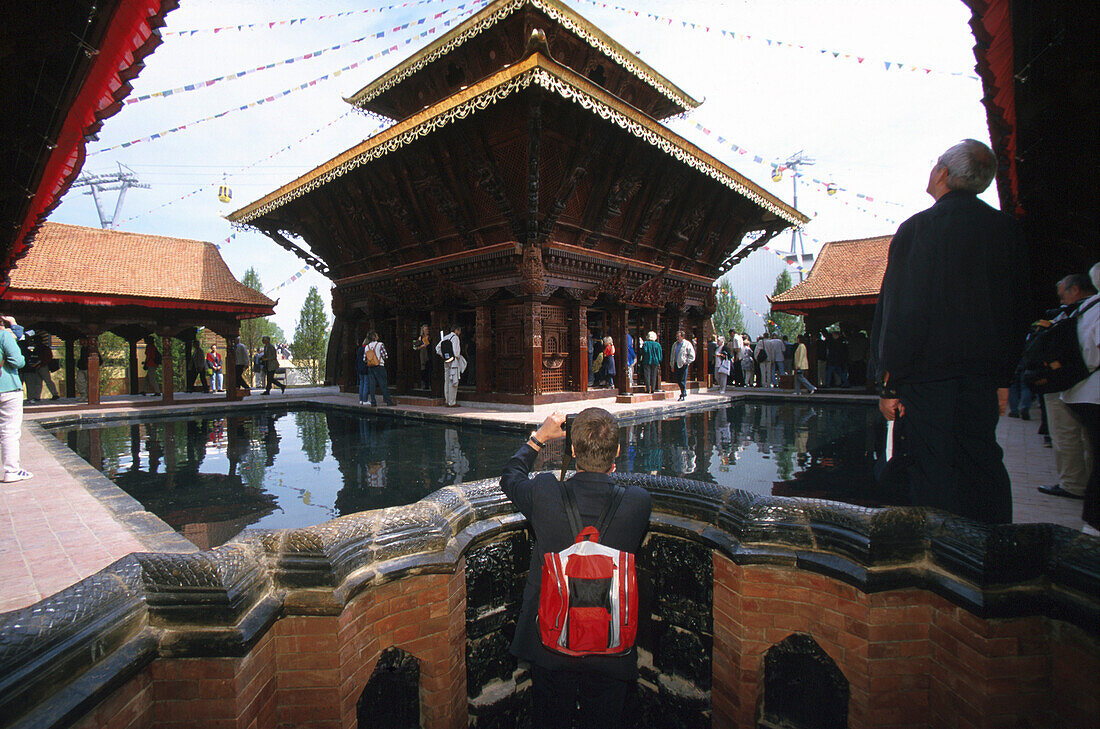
588,603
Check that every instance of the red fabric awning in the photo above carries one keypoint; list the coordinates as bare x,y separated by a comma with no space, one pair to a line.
130,36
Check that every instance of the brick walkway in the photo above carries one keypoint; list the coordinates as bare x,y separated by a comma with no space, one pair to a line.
53,531
67,522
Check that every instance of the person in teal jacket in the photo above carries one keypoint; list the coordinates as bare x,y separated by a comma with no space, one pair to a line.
11,402
651,362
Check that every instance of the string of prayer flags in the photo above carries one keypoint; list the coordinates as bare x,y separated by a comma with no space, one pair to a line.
294,21
274,154
285,92
199,85
289,281
772,43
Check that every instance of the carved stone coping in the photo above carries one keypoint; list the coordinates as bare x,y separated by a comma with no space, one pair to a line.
221,601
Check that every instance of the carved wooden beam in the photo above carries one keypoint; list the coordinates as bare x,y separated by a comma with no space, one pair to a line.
489,179
418,223
591,146
383,233
614,285
736,258
650,294
319,265
612,164
653,210
459,191
534,138
445,289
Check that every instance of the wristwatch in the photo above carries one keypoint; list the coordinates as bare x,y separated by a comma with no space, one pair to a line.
532,439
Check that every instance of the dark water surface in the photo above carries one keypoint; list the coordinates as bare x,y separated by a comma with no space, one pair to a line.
212,476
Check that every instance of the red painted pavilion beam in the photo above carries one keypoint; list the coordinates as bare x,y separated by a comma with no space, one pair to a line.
130,36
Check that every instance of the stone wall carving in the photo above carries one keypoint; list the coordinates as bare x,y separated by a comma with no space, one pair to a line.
1019,579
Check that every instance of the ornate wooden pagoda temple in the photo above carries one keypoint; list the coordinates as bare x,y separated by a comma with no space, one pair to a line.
528,193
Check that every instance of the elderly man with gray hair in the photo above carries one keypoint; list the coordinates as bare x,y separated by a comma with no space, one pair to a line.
956,273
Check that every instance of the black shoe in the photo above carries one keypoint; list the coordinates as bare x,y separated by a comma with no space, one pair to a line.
1013,414
1057,490
683,397
1024,415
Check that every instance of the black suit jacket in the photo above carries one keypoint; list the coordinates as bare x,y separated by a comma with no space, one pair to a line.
954,300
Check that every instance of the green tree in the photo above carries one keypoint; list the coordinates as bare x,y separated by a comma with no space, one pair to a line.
311,337
728,314
313,432
254,330
788,324
114,358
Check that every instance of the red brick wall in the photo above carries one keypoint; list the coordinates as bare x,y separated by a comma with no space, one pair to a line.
216,693
912,659
323,663
129,707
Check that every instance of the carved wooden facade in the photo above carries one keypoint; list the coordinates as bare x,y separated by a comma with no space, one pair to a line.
520,191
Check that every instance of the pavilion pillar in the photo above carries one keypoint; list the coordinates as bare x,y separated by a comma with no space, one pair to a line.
349,381
702,352
579,335
91,348
232,384
167,373
532,346
662,371
438,324
400,353
132,367
618,336
187,349
95,448
70,368
484,349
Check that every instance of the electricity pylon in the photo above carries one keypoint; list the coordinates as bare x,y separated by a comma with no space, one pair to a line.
122,181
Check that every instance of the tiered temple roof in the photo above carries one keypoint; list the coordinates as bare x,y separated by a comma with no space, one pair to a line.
495,38
525,189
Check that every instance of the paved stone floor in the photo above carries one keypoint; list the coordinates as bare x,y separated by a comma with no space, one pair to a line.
55,530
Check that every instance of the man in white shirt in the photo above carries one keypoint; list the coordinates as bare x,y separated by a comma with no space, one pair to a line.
683,354
454,364
773,345
240,364
1068,437
1083,400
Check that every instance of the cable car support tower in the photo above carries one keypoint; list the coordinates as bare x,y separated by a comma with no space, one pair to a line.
122,181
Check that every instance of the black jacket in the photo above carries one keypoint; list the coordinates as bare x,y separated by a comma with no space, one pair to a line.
954,300
539,499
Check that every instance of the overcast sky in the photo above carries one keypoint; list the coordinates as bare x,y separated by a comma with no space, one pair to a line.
873,131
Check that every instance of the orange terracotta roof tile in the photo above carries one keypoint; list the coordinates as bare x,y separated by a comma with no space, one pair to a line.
74,260
843,269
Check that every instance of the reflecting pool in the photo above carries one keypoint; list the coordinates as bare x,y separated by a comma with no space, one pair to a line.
213,475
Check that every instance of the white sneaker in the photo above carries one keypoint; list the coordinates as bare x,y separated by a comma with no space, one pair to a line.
21,475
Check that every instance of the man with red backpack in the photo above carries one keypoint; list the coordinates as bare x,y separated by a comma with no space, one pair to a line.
583,659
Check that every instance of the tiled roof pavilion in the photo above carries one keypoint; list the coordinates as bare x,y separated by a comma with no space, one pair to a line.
74,264
78,282
846,273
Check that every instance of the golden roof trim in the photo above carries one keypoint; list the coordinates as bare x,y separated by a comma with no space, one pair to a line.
498,11
550,75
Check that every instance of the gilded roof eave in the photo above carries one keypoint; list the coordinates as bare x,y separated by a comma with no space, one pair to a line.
552,76
498,11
